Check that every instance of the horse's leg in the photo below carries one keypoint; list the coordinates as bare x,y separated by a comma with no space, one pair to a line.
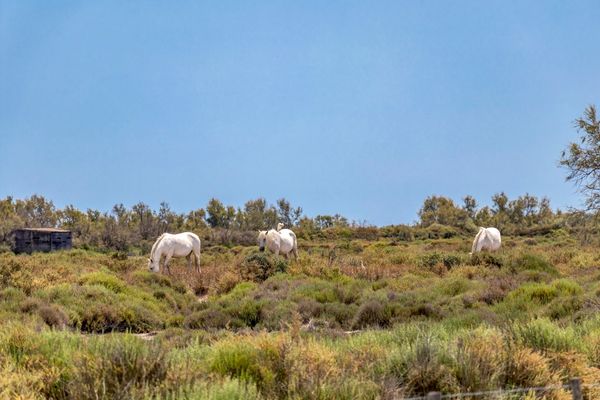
167,259
189,260
197,261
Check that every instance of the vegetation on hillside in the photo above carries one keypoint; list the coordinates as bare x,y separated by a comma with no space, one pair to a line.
353,318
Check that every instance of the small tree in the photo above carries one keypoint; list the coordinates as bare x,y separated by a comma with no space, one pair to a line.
287,214
442,210
470,206
582,160
219,216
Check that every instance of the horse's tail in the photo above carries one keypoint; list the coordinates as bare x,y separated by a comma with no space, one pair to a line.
196,250
476,240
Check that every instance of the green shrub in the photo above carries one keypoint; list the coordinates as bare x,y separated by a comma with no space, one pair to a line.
555,300
371,313
338,314
229,389
479,360
115,367
451,260
211,318
247,311
237,359
425,367
258,267
111,282
532,262
53,315
543,335
488,259
157,280
436,231
430,260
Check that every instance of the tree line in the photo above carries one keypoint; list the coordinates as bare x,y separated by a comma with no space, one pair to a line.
136,227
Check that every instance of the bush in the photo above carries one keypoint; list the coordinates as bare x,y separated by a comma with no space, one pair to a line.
338,314
371,313
53,316
543,335
479,360
111,282
399,232
227,282
211,318
497,290
526,368
236,360
488,259
532,262
430,260
312,367
425,368
554,300
230,389
451,260
115,367
436,231
258,267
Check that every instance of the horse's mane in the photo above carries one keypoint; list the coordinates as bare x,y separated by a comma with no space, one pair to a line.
155,245
476,240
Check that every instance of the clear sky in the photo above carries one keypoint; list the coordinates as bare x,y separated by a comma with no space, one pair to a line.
354,107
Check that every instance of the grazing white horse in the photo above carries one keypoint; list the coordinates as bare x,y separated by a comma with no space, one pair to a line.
186,244
282,241
486,239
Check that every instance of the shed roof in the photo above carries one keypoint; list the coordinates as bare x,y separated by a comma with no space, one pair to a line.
43,230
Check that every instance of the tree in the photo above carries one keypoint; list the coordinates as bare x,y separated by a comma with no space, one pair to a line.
582,160
286,214
329,221
219,216
37,212
9,219
470,206
167,219
144,218
442,210
195,220
259,215
500,202
74,220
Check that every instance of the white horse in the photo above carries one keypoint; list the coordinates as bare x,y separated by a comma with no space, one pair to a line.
486,239
281,241
183,244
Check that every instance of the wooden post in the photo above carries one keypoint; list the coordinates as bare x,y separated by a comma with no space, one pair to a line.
434,396
576,388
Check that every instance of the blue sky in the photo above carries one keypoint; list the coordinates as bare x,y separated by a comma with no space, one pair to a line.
358,108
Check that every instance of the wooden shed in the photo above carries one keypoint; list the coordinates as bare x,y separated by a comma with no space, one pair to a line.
28,240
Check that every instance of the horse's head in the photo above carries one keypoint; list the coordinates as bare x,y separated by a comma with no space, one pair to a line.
262,240
153,265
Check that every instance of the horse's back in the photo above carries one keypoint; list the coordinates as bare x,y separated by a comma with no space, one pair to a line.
181,243
191,235
494,233
494,238
288,240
